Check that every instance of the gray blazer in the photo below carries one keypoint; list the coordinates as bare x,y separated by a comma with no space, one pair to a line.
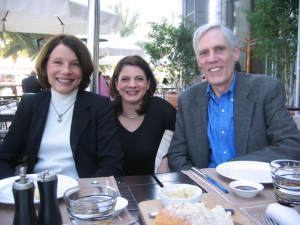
264,128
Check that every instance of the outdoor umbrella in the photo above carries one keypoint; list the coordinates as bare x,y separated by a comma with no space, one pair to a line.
116,48
113,60
110,60
52,17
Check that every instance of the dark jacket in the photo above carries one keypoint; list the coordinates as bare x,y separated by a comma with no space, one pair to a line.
31,85
93,139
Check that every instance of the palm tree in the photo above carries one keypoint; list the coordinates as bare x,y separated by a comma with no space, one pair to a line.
14,44
129,24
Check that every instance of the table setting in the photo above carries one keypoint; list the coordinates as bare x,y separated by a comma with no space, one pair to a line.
247,187
215,186
259,172
7,207
9,108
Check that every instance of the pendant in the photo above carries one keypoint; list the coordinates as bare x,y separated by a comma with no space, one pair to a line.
59,119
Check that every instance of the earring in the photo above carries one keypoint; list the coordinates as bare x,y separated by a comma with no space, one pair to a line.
118,93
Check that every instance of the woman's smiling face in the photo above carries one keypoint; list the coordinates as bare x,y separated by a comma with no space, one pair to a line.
63,70
132,84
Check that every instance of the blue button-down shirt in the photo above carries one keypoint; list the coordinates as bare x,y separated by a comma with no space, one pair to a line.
220,127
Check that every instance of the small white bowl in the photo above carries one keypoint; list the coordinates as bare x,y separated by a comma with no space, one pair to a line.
120,205
246,189
179,189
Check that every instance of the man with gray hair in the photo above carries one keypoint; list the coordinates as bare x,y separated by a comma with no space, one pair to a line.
232,115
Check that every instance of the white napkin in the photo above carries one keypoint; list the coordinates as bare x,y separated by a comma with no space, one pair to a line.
11,105
14,108
7,111
283,215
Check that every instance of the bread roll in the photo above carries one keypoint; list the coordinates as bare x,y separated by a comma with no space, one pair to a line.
192,214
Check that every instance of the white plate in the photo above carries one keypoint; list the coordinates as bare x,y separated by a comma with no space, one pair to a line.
6,194
246,170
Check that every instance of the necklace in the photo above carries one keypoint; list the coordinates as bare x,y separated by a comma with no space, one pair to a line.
59,119
130,117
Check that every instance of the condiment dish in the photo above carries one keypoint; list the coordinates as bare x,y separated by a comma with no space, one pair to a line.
180,193
246,189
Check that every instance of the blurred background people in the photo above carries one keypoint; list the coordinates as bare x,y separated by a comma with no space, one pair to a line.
31,84
103,88
65,129
107,80
165,81
237,66
141,118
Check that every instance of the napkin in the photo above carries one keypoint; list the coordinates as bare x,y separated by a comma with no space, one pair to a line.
283,215
7,111
14,108
11,105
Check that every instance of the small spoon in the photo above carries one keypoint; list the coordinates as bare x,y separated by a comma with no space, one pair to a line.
154,214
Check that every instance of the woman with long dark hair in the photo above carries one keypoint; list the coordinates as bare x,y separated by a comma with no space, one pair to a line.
141,118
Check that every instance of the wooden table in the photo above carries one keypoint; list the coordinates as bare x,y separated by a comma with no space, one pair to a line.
142,188
137,189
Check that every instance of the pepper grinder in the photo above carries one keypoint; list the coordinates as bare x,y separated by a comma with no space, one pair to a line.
23,190
49,212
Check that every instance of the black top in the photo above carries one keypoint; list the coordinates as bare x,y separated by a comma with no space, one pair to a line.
140,147
31,85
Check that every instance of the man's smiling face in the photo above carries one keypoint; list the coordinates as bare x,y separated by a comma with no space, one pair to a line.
216,59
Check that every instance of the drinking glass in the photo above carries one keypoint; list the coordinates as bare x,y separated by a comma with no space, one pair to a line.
286,181
94,204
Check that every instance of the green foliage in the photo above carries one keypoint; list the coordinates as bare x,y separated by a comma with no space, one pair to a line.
277,33
15,44
172,49
129,24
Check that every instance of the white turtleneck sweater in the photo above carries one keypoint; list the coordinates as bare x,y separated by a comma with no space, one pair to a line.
55,153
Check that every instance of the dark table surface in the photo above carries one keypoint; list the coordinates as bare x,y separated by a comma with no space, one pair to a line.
136,189
142,188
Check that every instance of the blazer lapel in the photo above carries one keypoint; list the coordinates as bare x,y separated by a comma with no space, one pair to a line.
37,122
243,113
200,115
80,120
41,108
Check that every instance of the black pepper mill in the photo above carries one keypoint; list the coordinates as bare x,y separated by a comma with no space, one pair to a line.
23,190
49,212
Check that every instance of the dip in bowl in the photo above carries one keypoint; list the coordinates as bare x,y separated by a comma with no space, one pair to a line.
246,189
180,193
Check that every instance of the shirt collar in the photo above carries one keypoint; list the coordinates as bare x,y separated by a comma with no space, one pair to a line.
210,92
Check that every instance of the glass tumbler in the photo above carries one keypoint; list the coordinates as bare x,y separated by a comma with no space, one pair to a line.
286,181
94,204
